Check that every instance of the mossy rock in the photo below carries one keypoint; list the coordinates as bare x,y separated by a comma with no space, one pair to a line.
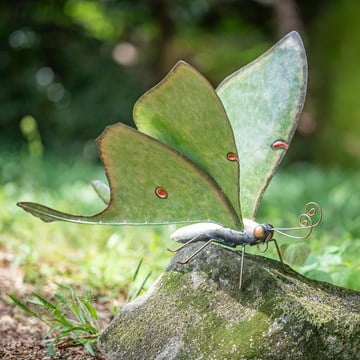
196,311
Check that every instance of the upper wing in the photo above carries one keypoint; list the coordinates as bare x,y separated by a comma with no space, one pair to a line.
149,183
263,101
184,112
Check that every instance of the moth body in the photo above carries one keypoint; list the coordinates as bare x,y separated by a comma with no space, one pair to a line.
253,233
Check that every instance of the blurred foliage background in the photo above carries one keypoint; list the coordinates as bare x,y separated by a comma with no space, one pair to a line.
79,65
71,67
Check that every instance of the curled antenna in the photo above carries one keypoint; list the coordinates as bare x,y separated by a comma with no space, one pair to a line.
308,220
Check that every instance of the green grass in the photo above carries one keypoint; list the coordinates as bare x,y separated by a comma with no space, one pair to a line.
334,245
105,257
71,319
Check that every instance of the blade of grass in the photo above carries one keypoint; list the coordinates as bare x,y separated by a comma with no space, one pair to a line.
49,306
89,348
21,305
141,286
136,272
90,309
81,331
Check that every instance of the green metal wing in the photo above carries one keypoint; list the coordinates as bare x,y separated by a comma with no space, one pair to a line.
184,112
263,102
150,183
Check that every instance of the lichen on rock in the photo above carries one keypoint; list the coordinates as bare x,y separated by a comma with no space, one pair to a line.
196,311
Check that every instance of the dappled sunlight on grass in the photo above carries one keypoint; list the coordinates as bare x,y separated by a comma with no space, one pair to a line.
101,256
105,257
334,244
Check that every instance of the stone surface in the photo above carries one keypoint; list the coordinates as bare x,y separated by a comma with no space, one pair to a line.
196,311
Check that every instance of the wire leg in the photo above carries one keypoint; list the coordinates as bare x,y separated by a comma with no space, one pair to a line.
195,238
266,247
241,265
280,257
196,252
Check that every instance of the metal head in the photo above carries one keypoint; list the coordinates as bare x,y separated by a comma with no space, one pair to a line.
262,234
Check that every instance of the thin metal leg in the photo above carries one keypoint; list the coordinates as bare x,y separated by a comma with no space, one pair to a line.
196,252
241,265
266,247
195,238
280,257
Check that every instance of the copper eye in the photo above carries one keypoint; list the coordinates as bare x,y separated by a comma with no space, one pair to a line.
259,231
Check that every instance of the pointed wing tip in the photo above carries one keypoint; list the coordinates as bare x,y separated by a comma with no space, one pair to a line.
31,208
293,41
181,65
293,38
23,204
106,130
294,34
49,215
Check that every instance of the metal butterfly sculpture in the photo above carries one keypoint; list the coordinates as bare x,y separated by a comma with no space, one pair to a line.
183,165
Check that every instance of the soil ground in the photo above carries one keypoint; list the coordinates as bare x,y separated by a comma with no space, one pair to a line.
22,337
